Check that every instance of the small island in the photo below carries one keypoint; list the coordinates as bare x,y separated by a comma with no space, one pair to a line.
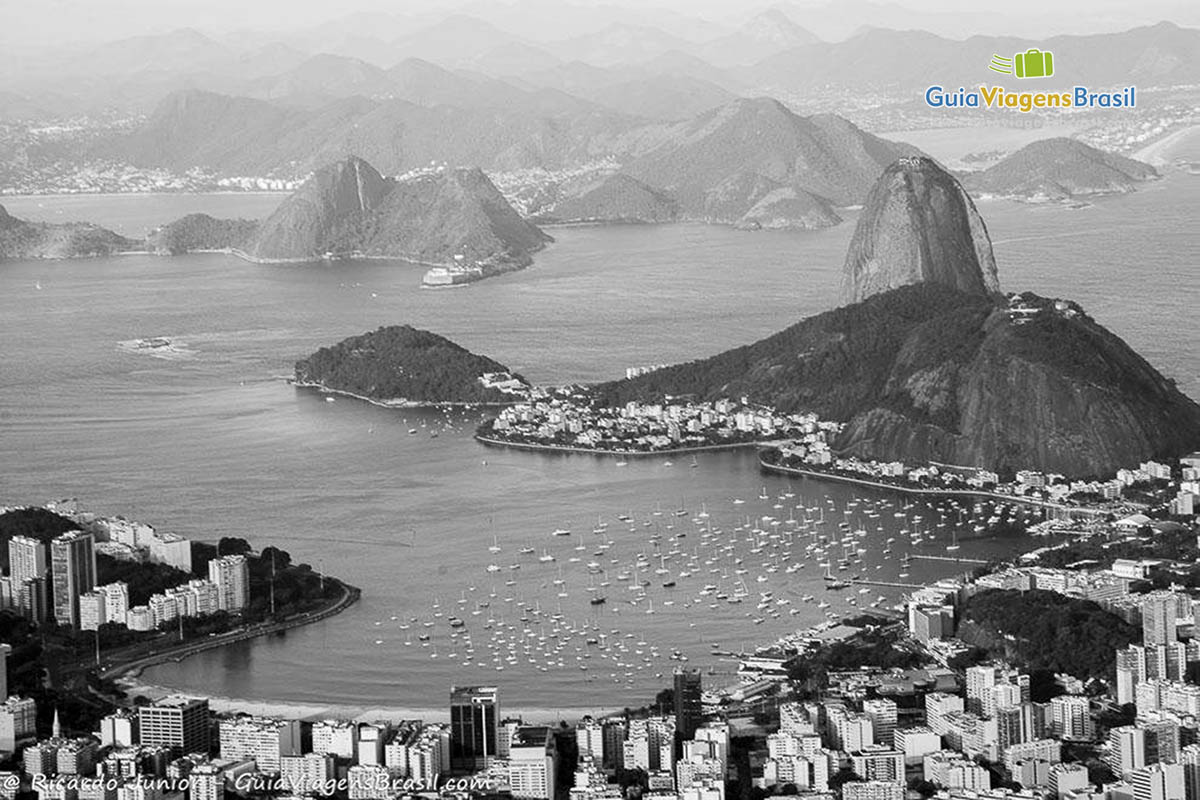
401,365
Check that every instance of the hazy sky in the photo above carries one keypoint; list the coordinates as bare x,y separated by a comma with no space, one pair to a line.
38,23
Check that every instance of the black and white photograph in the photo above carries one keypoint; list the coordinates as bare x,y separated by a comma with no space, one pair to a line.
599,400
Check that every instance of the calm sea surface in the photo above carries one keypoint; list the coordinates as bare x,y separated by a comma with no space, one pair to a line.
211,443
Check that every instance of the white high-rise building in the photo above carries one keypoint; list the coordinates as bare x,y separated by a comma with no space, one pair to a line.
116,601
1159,782
264,740
1126,749
336,738
231,574
119,729
531,764
1071,717
18,722
91,611
302,774
27,568
589,738
937,706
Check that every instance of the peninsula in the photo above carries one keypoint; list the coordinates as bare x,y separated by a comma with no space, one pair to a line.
931,364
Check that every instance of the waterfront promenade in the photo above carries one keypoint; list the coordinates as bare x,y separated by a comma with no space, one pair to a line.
492,441
136,658
823,475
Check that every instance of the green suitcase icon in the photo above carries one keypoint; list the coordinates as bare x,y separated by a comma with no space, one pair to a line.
1034,63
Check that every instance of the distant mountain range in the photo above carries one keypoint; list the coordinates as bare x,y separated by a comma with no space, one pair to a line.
770,53
932,364
1057,169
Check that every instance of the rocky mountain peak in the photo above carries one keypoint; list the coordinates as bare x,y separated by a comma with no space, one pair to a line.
918,226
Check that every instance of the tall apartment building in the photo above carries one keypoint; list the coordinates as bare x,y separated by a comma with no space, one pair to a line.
532,764
883,714
1126,749
372,736
91,611
877,763
1071,718
337,738
72,572
264,740
990,686
589,738
689,711
474,714
231,575
18,722
1159,782
178,723
116,601
938,705
1159,616
615,732
28,571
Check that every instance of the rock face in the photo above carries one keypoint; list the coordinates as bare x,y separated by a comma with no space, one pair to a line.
929,373
918,225
1057,169
22,239
334,199
432,218
348,208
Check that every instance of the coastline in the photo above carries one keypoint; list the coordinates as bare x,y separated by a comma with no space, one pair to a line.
359,713
564,448
931,492
1156,153
397,402
131,668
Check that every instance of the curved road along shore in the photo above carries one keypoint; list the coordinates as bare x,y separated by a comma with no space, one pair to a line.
1007,498
349,596
593,451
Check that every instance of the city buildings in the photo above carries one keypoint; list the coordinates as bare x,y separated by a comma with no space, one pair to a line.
178,723
688,706
474,718
231,576
266,741
73,572
532,763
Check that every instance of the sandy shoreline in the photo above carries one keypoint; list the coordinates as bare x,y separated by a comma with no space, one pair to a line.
1158,153
311,711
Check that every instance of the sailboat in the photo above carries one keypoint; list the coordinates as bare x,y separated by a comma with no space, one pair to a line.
953,540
